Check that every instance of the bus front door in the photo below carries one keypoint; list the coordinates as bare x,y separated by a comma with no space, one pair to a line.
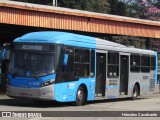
100,74
124,68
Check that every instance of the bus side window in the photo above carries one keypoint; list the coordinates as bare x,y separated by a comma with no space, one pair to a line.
82,62
145,63
68,60
153,62
113,64
135,63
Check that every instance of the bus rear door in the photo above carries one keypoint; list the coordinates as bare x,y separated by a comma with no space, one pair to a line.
124,71
100,74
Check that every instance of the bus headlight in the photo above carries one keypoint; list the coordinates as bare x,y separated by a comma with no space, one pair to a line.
47,83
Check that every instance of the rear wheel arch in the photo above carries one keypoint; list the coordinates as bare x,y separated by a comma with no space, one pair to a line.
138,85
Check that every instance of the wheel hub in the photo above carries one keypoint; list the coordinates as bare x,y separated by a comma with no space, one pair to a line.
135,93
80,95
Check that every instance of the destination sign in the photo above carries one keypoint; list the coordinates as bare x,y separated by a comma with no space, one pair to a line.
32,47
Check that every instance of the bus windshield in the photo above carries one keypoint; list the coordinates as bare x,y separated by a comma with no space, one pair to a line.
29,64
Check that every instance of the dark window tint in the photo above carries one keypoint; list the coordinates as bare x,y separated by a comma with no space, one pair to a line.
113,58
82,62
145,63
81,55
68,59
113,64
135,63
81,70
153,62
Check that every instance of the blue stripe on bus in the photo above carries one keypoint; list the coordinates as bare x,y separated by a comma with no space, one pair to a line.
29,82
115,87
156,72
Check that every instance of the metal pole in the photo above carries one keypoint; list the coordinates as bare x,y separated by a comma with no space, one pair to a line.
54,3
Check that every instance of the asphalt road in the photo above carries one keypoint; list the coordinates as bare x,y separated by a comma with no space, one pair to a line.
143,103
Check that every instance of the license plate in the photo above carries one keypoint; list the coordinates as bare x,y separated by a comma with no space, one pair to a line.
24,94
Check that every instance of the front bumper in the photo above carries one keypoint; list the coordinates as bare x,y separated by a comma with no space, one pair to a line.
45,93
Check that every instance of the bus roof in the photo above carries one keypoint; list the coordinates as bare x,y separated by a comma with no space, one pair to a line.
75,40
57,37
53,37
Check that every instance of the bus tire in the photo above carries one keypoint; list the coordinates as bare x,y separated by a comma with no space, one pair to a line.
80,97
135,92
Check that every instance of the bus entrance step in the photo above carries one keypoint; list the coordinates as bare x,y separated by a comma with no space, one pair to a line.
98,95
122,93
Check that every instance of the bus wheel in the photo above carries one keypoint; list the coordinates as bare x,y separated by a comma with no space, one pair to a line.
80,97
135,92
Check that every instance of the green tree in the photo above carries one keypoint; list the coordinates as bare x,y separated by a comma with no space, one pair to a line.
113,6
143,9
101,6
157,4
121,9
117,7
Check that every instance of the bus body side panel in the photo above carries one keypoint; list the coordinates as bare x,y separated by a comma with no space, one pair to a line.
112,92
142,79
66,92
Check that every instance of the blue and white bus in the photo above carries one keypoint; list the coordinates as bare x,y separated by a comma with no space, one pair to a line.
68,67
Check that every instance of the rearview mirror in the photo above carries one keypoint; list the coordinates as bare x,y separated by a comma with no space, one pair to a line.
65,59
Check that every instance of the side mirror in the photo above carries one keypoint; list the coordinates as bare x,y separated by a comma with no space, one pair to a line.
65,59
3,54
